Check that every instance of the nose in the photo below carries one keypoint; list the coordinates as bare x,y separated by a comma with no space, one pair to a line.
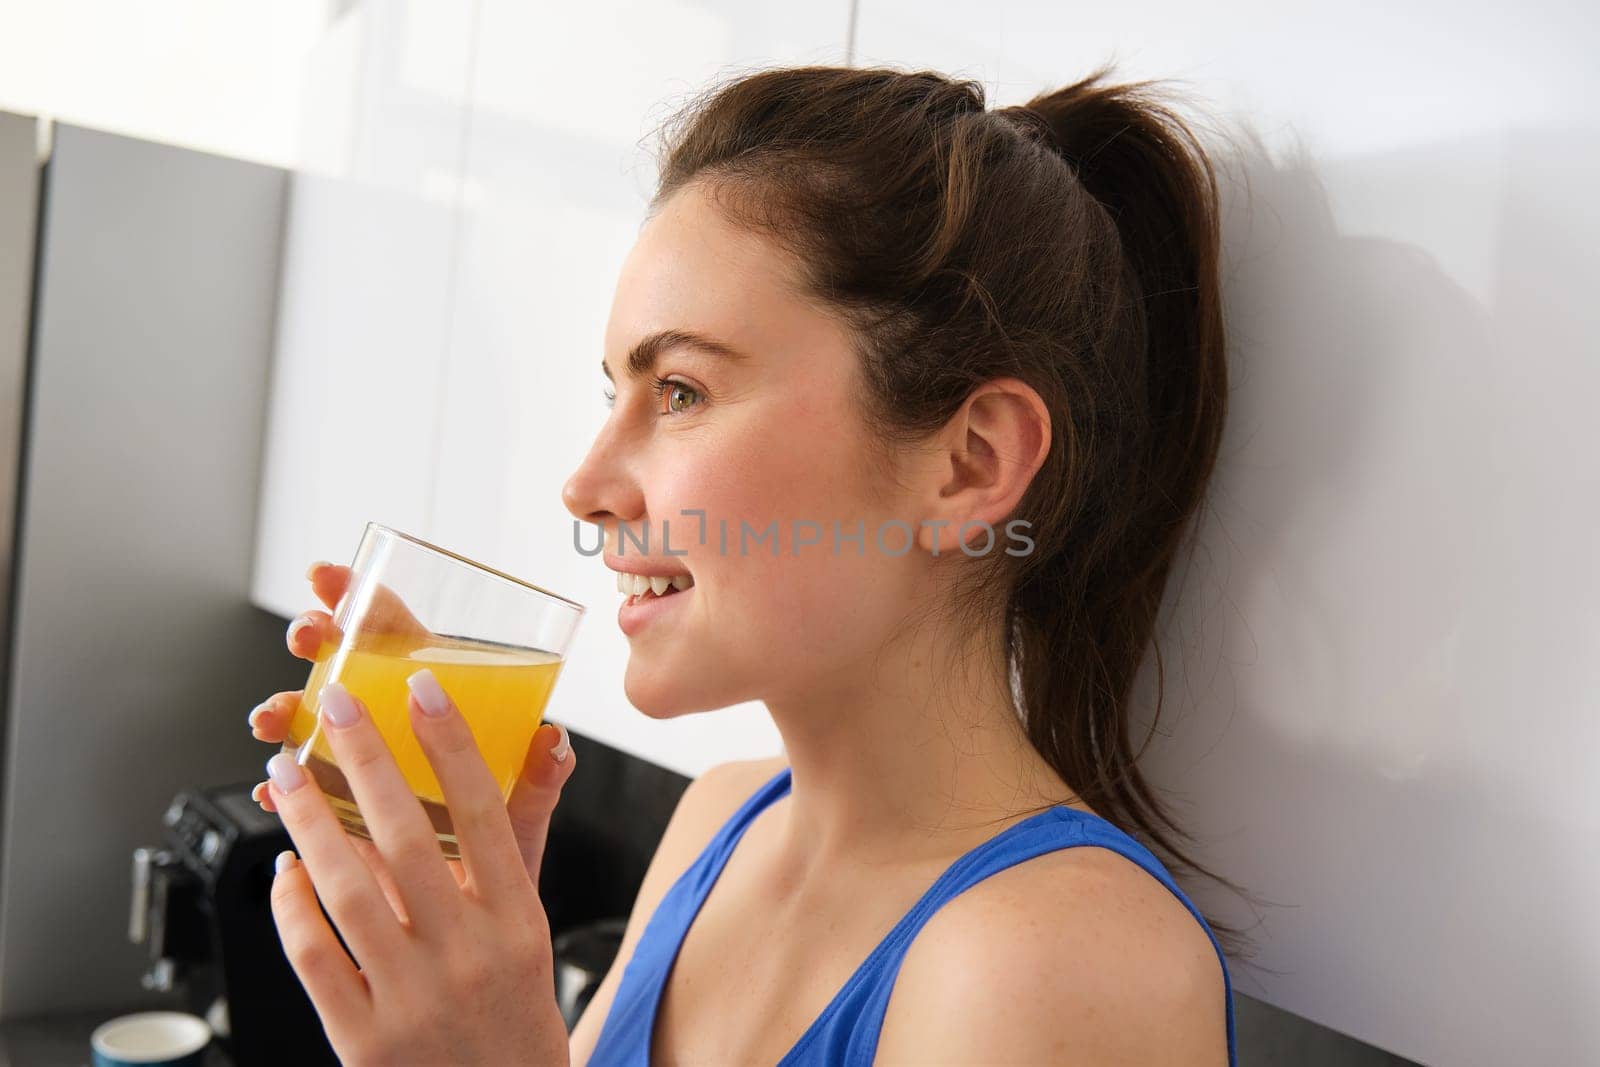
603,489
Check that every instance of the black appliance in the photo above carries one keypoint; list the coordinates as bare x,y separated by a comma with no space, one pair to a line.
583,956
201,902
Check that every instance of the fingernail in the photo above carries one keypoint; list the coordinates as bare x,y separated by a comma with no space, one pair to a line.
338,706
430,697
295,627
562,747
311,571
285,860
285,773
255,714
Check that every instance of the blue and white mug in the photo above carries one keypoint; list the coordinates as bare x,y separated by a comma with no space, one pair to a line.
151,1039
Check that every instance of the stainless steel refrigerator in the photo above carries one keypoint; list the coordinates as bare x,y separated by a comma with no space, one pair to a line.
138,288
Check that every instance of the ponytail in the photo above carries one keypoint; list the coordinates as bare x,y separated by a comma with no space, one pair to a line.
1077,664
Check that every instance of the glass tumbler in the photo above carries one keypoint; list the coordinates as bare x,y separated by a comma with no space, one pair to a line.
496,644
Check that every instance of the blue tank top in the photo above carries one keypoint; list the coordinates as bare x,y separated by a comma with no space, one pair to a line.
846,1033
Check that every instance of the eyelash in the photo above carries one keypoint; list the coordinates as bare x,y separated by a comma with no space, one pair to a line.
659,386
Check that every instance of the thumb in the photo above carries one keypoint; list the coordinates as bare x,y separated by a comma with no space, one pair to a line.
534,797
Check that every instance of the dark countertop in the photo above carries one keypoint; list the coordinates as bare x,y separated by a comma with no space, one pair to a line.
62,1040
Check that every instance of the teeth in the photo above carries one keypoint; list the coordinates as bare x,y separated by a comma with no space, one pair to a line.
639,584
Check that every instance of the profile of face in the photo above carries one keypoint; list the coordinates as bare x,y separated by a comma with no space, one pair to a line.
774,435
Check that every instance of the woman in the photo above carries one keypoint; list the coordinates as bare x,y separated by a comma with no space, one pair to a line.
916,400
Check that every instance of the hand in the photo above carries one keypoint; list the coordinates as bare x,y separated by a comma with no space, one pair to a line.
528,806
456,969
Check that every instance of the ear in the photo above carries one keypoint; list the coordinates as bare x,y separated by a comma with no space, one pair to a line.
987,455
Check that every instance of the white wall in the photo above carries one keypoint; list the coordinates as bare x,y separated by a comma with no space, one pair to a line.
1382,668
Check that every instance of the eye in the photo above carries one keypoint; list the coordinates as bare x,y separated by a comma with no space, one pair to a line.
611,398
674,392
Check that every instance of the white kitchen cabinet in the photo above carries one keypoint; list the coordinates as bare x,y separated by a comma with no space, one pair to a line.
364,315
473,178
554,191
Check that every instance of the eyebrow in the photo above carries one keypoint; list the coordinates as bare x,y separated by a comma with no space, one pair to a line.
642,356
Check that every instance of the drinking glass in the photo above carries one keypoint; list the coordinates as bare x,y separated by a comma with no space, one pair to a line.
496,644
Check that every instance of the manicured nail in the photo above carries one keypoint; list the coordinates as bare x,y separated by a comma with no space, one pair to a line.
311,571
430,697
295,627
285,773
285,860
255,715
563,747
338,706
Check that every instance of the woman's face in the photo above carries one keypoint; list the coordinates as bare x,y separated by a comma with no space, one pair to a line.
772,436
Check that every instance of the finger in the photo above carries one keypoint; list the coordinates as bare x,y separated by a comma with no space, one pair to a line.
263,796
374,859
328,581
477,806
310,632
384,611
387,613
269,720
385,878
400,829
533,798
346,887
337,989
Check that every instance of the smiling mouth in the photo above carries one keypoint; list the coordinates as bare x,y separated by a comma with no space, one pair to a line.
638,587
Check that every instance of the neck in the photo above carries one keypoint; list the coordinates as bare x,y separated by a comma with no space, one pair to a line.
912,754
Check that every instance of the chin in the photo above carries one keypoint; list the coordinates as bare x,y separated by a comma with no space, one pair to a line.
661,697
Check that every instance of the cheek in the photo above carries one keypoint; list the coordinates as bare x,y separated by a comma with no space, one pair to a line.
752,474
803,463
772,603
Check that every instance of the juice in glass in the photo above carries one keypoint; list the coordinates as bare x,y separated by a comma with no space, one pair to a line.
500,690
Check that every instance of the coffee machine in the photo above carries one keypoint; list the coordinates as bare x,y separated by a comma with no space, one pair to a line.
201,903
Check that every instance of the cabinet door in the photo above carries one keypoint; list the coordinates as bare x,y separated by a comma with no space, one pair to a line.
555,186
364,313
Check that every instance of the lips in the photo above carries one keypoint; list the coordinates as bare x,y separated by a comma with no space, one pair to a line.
639,610
667,568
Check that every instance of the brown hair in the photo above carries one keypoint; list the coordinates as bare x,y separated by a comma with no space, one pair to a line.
1072,243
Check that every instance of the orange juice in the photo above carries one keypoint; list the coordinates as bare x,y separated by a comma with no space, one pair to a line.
500,690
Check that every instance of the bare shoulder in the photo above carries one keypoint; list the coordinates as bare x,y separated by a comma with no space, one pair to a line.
1077,956
705,805
710,800
742,776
